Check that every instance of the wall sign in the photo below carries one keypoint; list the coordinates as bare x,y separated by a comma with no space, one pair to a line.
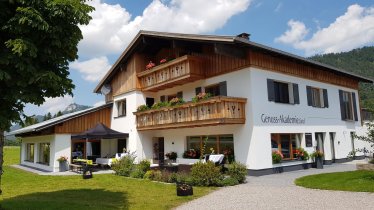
308,140
282,119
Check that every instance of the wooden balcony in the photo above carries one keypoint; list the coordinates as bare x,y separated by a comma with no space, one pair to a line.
220,110
176,72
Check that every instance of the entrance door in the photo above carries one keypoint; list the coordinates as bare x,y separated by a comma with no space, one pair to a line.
332,144
121,144
319,139
161,152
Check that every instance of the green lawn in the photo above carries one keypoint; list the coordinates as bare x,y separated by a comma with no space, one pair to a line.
356,181
23,190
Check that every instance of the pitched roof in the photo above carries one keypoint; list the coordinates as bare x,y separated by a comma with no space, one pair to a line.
57,120
215,39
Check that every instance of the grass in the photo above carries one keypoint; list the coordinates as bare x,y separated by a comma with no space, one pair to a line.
23,190
355,181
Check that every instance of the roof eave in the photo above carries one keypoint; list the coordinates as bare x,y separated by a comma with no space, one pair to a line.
358,77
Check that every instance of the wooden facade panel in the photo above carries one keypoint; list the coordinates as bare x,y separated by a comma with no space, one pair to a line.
268,62
85,122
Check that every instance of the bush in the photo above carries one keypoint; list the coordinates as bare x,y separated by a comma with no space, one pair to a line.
206,174
154,175
371,161
144,165
276,156
16,142
237,171
137,174
125,165
229,181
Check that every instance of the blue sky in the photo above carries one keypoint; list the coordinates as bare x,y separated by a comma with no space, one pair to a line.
304,28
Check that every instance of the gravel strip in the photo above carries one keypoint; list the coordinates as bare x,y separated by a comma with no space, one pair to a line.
278,191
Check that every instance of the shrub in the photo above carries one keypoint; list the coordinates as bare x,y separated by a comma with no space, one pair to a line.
206,174
154,175
371,161
137,174
237,171
125,165
144,165
317,154
229,181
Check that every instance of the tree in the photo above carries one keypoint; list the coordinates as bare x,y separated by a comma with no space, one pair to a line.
369,137
59,113
38,40
47,116
30,121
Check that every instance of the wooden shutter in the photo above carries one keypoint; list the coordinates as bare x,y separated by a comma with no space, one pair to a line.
198,90
162,98
309,95
296,99
223,88
325,99
354,106
180,95
342,108
271,95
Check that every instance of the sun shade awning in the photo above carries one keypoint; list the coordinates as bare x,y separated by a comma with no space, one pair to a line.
100,131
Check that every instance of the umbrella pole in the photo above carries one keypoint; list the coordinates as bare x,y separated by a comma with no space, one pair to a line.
86,147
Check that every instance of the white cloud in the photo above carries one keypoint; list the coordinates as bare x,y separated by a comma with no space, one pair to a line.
112,27
92,70
353,29
53,105
99,103
295,34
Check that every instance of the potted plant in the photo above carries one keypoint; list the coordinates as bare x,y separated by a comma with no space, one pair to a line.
317,156
277,157
172,156
184,189
63,163
191,154
301,154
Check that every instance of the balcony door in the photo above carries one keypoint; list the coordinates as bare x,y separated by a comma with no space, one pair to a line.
158,150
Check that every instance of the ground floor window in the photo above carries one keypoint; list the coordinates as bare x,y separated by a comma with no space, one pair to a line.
218,144
29,152
286,144
44,153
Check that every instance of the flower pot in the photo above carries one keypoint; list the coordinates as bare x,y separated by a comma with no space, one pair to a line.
63,166
184,189
319,162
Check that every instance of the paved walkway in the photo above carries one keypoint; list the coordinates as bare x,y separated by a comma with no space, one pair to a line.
65,173
278,191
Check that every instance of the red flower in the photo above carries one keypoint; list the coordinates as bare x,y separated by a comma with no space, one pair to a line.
163,60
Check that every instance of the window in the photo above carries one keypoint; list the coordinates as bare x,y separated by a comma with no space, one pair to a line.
121,108
29,152
221,144
283,92
149,101
44,153
286,144
219,89
348,105
317,97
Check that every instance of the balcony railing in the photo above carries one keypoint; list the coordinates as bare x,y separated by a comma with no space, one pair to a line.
176,72
218,110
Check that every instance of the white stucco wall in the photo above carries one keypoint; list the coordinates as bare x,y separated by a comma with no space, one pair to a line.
59,146
252,140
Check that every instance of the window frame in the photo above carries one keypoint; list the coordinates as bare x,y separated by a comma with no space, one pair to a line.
276,137
121,108
41,153
217,147
283,92
30,149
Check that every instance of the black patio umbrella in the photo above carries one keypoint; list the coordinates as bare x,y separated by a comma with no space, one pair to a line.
100,131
